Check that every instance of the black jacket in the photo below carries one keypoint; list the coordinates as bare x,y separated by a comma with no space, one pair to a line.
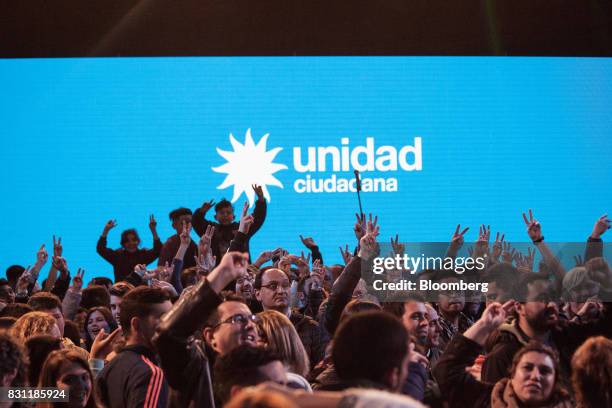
183,358
123,261
224,234
133,379
565,338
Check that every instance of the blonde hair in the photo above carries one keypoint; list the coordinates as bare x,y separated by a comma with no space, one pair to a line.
31,324
282,338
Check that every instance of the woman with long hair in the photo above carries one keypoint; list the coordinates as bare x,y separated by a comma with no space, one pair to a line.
278,334
98,318
67,370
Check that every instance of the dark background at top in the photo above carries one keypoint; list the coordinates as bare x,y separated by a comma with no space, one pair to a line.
71,28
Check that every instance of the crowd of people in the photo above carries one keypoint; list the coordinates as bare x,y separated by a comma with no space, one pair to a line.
212,325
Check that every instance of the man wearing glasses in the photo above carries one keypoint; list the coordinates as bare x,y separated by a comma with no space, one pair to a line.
272,289
227,323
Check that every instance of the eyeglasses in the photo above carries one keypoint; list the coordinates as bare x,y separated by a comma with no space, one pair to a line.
273,286
238,319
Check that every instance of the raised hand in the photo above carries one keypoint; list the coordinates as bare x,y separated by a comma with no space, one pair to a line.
507,252
41,256
302,264
57,246
497,246
232,266
346,254
495,314
60,264
24,280
317,274
258,191
103,344
578,260
186,234
457,238
308,242
600,227
398,248
152,223
264,257
534,229
368,247
416,357
77,281
481,247
246,220
207,205
110,224
359,227
205,240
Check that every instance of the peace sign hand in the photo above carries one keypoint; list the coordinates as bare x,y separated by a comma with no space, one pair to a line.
534,229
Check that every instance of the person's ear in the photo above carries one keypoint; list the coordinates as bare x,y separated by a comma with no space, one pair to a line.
258,294
519,307
209,337
134,324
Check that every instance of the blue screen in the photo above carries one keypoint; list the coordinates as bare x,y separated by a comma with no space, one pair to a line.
438,140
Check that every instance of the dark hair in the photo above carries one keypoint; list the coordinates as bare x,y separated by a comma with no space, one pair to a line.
50,371
102,281
592,373
108,316
357,306
382,335
139,302
558,392
398,308
260,275
521,289
179,212
15,310
39,348
4,282
226,296
130,231
187,275
120,289
95,295
240,367
13,272
44,301
223,204
7,322
13,357
504,275
72,332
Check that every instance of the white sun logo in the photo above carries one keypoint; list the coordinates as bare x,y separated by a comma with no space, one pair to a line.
249,164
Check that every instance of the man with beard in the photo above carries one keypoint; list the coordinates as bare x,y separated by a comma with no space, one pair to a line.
433,334
450,307
133,378
538,319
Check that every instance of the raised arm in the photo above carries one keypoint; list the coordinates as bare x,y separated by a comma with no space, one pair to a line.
198,219
594,246
152,254
456,243
102,249
190,314
450,371
534,230
343,288
313,248
259,213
